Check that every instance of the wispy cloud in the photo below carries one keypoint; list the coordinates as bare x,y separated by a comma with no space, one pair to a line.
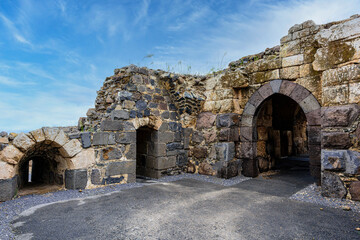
14,31
14,83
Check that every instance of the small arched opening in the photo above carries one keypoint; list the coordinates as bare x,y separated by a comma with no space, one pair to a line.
281,135
146,155
41,170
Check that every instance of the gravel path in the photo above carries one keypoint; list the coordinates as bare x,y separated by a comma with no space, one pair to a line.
312,194
10,209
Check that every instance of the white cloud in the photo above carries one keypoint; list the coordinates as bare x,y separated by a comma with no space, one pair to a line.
14,31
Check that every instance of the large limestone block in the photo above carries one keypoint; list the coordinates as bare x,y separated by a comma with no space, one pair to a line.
346,30
290,72
61,139
23,142
341,75
84,159
293,60
71,148
234,79
38,135
263,65
11,155
354,92
290,48
50,133
6,170
335,95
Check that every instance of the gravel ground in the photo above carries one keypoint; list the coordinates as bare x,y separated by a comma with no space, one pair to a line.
312,194
10,209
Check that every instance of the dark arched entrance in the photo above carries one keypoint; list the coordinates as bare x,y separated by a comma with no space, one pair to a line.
295,95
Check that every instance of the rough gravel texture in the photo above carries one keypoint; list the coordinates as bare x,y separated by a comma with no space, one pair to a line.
10,209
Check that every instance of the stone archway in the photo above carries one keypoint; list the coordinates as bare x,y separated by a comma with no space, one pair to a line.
248,135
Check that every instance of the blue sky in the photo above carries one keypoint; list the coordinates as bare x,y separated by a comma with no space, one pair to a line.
55,54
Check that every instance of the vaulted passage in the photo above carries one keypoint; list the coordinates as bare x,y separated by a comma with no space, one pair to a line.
145,152
40,170
281,134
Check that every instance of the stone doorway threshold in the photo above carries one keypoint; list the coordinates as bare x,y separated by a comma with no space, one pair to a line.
39,189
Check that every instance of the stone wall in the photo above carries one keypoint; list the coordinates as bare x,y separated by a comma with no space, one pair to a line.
154,123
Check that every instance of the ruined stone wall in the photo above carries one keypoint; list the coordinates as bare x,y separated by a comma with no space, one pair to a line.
221,124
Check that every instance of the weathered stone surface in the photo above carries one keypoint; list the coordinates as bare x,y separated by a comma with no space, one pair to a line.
205,120
125,137
246,150
96,176
290,72
352,162
309,104
120,115
341,75
287,87
229,134
256,99
110,125
336,95
86,139
314,117
275,85
294,60
71,148
84,159
131,151
336,140
103,138
332,186
110,153
225,151
272,75
299,93
206,169
250,167
7,170
227,120
249,109
38,135
290,48
265,91
124,167
354,92
333,159
345,30
355,191
76,179
4,140
124,95
174,146
197,137
61,139
162,163
11,155
339,116
8,188
199,152
210,136
23,142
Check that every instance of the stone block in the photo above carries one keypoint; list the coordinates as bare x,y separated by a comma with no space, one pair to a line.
290,73
333,160
314,135
336,140
299,93
199,152
341,75
141,105
174,146
166,137
110,153
290,48
96,176
206,169
38,135
339,116
182,159
4,140
332,186
187,133
111,125
354,191
71,148
84,159
272,75
352,162
7,170
85,139
256,99
250,167
247,150
8,188
315,154
266,91
205,120
336,95
127,104
197,137
309,104
249,109
11,155
120,115
246,134
287,87
118,168
124,95
275,85
103,138
225,151
162,163
210,136
61,139
354,92
294,60
262,134
227,120
125,137
175,126
76,179
159,149
23,142
257,78
247,120
229,134
314,117
131,151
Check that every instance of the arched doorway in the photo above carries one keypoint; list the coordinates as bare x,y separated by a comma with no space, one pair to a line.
285,93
